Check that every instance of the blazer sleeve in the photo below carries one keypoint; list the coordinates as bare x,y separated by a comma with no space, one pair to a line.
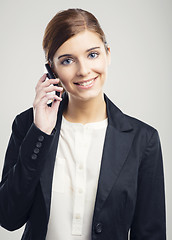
24,161
149,218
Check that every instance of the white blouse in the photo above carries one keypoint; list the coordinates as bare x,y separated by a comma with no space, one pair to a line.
75,180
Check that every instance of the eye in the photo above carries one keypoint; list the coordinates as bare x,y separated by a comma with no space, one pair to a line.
93,55
67,61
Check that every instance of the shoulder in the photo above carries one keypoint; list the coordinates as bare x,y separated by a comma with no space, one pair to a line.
124,122
26,117
26,113
143,131
139,125
22,122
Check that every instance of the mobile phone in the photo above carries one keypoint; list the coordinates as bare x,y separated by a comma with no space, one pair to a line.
51,75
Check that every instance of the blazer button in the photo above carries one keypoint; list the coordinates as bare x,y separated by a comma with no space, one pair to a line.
38,144
98,228
34,156
36,150
41,138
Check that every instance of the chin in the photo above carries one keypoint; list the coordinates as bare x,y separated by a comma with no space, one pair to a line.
89,95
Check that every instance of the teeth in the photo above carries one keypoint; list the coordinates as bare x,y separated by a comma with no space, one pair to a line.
86,83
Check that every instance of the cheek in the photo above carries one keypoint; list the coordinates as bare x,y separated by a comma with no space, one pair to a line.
100,66
65,76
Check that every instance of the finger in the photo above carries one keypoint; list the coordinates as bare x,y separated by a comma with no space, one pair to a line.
46,99
39,96
50,97
43,78
53,88
50,82
41,85
43,92
47,83
55,104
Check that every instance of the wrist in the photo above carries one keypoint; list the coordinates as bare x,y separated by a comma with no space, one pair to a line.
44,130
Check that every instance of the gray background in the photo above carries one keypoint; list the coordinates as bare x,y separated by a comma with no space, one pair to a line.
140,76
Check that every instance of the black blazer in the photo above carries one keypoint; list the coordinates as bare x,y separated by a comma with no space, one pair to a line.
130,194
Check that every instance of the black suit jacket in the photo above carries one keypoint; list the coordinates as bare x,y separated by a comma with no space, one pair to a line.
130,194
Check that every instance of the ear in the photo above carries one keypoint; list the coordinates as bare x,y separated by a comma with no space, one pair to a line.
109,55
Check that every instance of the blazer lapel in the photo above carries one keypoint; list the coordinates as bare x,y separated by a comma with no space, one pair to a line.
118,140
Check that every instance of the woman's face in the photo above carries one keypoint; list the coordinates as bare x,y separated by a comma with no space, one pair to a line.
81,65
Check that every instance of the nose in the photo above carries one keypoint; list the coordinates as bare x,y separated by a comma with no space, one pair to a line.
83,69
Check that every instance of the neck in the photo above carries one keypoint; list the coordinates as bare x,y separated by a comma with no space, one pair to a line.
92,110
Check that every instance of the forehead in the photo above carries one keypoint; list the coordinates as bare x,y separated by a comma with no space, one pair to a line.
80,42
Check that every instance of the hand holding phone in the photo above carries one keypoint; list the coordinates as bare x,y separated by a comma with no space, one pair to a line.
45,114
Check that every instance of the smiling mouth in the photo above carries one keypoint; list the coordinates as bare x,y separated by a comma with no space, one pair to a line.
85,83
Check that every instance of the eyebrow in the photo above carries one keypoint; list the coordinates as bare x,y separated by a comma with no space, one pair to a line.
69,55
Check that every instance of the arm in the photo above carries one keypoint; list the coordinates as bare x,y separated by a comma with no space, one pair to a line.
21,173
26,154
149,218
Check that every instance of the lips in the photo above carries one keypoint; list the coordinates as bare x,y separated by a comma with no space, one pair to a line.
86,82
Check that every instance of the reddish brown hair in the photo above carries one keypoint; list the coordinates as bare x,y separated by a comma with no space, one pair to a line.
66,24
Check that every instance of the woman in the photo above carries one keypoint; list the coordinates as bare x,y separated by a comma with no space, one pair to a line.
80,168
